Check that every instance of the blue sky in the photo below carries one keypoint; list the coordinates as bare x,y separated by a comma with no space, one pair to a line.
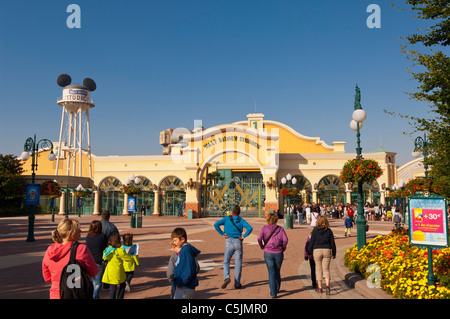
164,64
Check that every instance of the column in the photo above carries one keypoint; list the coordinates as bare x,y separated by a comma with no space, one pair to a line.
96,203
383,197
62,204
125,205
156,204
314,193
271,201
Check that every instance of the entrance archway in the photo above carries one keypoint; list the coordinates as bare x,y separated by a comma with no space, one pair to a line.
230,187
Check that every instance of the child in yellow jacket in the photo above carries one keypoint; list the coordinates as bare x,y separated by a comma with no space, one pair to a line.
115,272
130,265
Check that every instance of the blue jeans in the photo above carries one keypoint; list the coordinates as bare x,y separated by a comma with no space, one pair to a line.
233,246
273,263
97,281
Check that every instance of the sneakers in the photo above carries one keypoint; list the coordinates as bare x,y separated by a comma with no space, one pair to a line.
225,283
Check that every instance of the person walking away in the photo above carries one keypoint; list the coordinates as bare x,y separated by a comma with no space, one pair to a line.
95,241
171,267
397,219
57,256
300,214
108,228
348,222
273,240
322,247
233,227
312,264
185,268
114,273
308,213
129,266
314,215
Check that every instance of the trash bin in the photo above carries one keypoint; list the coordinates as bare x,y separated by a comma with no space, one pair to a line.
190,214
136,220
288,224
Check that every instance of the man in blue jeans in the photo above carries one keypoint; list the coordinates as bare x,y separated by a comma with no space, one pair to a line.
232,232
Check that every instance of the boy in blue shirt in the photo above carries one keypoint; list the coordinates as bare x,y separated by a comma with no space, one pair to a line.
232,232
185,270
348,226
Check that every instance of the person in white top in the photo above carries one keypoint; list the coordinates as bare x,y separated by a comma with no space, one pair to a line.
308,213
315,213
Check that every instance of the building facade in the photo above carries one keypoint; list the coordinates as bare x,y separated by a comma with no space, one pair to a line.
207,171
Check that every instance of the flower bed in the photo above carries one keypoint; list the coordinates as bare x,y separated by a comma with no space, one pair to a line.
403,267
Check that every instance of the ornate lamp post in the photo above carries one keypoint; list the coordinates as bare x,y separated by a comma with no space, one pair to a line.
359,116
31,148
290,181
421,144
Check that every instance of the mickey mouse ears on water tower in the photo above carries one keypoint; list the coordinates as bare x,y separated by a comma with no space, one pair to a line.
64,80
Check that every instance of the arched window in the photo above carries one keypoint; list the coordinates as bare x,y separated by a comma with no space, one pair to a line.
172,196
111,195
172,183
331,190
304,190
145,201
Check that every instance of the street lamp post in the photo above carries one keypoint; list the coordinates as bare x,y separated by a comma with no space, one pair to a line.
134,220
359,116
290,181
421,144
31,148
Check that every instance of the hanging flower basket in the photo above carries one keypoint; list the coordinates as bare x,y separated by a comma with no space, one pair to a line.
364,170
50,189
289,191
131,190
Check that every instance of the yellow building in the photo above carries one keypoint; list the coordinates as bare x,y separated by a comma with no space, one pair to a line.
207,171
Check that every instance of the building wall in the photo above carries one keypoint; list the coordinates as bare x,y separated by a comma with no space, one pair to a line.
255,145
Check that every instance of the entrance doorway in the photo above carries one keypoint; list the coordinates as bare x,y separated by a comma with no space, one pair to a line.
245,189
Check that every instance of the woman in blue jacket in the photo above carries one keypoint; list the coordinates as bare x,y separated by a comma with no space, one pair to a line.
233,227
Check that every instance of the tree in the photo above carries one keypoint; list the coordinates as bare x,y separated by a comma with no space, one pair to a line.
12,187
434,81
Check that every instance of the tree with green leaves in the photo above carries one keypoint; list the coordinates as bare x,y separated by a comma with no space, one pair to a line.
12,187
431,68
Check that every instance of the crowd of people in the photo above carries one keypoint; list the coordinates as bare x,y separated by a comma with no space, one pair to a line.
110,259
308,213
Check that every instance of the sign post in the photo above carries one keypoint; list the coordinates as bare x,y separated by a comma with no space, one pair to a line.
428,225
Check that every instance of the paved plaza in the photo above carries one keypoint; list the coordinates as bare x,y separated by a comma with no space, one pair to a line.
20,261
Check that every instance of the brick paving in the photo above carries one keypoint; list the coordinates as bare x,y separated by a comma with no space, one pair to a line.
20,261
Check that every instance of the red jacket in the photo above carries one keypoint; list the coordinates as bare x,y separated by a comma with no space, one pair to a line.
57,257
350,211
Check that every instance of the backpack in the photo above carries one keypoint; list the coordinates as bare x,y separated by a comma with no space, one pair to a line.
75,282
397,219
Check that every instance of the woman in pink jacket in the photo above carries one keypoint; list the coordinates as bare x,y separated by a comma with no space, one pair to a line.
273,240
57,255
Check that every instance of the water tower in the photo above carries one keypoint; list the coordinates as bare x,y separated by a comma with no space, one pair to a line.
75,129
